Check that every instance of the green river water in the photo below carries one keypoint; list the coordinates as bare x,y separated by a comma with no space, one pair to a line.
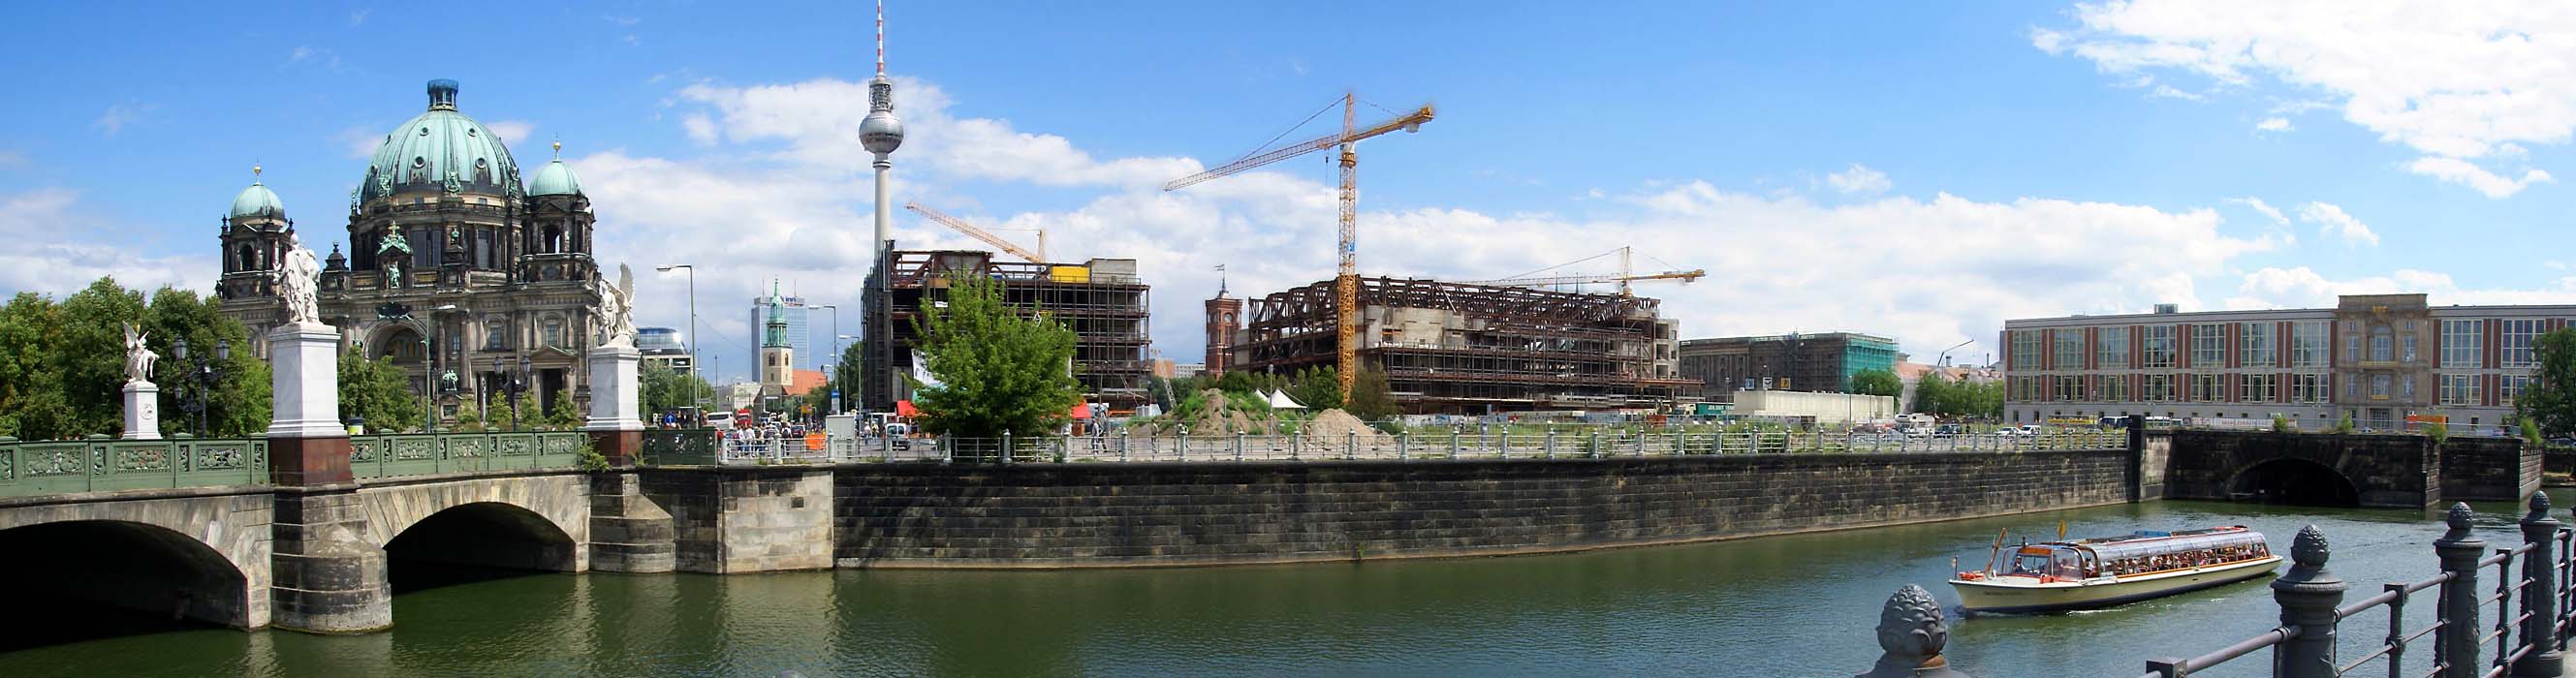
1800,605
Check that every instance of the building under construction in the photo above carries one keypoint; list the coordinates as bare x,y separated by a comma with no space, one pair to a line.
1459,348
1102,300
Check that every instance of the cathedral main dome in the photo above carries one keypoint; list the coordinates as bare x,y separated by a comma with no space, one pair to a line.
441,151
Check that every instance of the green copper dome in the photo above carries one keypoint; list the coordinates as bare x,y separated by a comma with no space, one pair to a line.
257,201
555,178
440,152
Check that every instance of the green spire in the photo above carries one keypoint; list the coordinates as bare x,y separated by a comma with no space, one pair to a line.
776,334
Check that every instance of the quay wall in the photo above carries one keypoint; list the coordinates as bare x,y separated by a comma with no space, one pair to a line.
1149,514
2489,469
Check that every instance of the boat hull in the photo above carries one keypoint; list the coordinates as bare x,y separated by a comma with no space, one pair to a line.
2008,595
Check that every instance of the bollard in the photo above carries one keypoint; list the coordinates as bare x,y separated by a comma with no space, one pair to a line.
2458,638
2540,601
2308,595
1912,630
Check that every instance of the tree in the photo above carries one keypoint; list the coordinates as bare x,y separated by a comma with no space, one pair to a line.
377,391
62,371
998,372
566,415
2550,399
1370,399
1317,388
524,414
1877,382
33,403
665,389
238,403
1938,395
847,376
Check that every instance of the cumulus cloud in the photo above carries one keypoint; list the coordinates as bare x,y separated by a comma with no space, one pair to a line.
1858,180
2455,85
58,247
2331,220
776,177
2300,287
2168,92
512,132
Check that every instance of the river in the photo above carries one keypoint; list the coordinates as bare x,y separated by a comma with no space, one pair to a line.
1800,605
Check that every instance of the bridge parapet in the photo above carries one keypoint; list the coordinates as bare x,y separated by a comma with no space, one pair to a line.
30,468
416,454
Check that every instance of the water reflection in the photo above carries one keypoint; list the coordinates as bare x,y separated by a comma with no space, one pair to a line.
1799,605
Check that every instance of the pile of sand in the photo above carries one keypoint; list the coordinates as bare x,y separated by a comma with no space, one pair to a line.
1221,416
1330,431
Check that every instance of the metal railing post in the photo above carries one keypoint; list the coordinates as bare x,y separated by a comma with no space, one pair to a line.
1453,443
1595,449
1238,446
2457,641
1353,449
1006,448
1403,443
1295,441
2540,600
1551,444
2308,595
1124,440
1506,447
1185,444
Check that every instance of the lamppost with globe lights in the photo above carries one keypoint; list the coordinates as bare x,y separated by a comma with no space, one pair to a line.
203,374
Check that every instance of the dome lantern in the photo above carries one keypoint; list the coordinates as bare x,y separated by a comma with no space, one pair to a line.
257,201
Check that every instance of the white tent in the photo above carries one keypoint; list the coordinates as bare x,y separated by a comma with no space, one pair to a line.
1279,401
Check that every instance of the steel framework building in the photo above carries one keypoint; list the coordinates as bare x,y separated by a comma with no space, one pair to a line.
1102,301
1465,349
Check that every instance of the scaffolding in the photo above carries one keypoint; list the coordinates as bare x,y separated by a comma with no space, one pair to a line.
1462,348
1102,301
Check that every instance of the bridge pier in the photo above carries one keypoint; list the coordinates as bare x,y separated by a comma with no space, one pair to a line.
628,532
328,577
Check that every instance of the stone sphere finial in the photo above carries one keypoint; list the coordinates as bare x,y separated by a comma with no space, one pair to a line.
1912,624
2309,548
2540,502
2459,516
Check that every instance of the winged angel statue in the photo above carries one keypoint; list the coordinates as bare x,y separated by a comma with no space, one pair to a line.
617,309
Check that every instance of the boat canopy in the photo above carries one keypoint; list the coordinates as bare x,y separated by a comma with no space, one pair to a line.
2154,546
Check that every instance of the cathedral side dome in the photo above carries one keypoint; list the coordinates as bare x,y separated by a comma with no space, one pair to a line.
440,151
556,178
257,201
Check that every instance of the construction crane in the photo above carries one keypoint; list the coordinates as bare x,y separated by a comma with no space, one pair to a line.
1623,277
1037,257
1346,281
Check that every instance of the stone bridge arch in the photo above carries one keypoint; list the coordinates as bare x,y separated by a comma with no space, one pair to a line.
2382,471
549,509
204,556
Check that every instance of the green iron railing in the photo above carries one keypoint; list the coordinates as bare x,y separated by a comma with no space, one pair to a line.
418,454
679,447
108,465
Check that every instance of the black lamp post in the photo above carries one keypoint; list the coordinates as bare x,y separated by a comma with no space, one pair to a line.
518,383
202,375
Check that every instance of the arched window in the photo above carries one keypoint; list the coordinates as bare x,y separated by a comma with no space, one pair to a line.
2381,343
554,238
249,259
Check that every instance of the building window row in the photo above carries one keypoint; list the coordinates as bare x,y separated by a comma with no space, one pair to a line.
2464,344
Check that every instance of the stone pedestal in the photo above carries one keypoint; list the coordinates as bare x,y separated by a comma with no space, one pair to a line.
307,444
614,396
142,411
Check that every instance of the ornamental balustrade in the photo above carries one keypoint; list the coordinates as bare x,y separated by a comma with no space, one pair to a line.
29,468
2513,624
695,447
418,454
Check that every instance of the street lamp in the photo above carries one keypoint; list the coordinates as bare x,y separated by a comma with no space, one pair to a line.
836,351
693,326
203,373
1945,353
845,388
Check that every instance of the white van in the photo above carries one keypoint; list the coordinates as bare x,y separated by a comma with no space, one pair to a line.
721,421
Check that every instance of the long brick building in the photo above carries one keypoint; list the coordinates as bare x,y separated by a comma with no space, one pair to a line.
2376,358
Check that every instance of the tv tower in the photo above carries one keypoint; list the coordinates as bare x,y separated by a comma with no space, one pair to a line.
881,133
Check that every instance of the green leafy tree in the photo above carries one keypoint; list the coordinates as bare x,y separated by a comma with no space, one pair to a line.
998,372
524,414
1370,399
1940,396
1877,382
566,415
2550,399
665,389
1317,388
2343,425
378,391
92,353
2531,431
62,365
847,375
238,402
2438,431
467,421
33,402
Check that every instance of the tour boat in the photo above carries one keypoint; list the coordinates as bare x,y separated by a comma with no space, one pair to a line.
2090,573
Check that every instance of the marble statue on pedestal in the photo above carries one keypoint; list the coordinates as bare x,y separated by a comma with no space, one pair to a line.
296,282
138,357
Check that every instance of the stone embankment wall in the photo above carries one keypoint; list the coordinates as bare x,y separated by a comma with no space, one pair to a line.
2489,469
745,520
1085,515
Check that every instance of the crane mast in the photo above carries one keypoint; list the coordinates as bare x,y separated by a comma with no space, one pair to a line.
1038,257
1346,279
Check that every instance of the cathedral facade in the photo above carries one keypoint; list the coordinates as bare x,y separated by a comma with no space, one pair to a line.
469,279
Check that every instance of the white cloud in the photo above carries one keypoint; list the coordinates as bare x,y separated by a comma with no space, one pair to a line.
2465,173
1859,179
2266,208
299,54
2331,220
2273,125
512,132
2300,287
2168,92
58,247
359,16
120,115
777,177
2453,82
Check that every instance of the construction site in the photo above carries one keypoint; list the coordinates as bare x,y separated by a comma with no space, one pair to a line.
1101,300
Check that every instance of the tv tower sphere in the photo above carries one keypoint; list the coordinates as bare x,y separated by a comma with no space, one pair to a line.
880,131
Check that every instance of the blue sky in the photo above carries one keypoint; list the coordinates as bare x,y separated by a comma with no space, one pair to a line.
1919,170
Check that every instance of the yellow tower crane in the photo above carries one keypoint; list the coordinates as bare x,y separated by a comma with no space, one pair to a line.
1037,257
1623,277
1346,282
